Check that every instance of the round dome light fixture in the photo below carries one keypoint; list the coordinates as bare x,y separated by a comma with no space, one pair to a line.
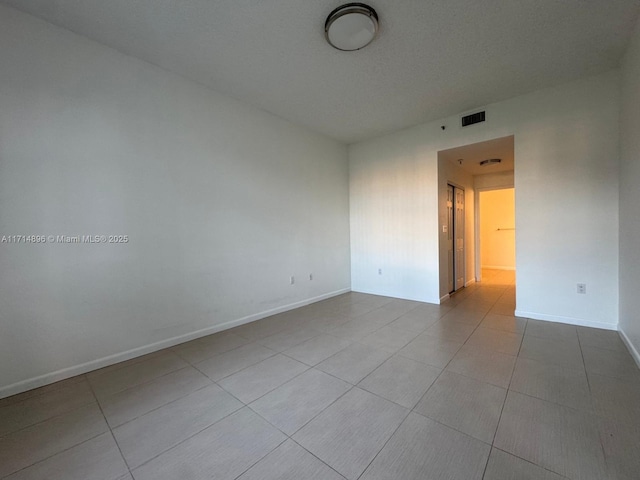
351,27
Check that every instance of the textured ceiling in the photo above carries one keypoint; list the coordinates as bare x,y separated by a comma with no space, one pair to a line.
431,59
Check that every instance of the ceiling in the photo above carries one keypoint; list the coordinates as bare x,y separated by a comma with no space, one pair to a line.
431,59
472,155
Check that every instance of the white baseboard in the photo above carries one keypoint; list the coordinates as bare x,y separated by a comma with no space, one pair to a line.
470,282
569,320
497,267
69,372
444,298
630,346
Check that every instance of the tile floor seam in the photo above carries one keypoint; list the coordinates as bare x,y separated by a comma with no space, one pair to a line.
504,402
50,418
111,432
318,458
243,368
392,401
449,426
214,355
142,384
384,350
602,447
134,361
311,419
275,388
36,395
431,386
573,409
352,342
254,340
332,375
532,463
318,333
57,453
162,406
261,458
312,366
187,438
385,443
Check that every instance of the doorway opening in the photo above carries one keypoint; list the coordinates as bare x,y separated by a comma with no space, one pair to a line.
466,177
496,220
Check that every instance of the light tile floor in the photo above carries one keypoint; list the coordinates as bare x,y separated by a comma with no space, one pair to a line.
356,387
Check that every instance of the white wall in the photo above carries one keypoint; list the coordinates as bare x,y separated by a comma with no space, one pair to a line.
497,218
222,203
630,196
493,180
566,181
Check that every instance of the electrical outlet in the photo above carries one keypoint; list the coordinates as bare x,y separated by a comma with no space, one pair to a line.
292,280
581,288
379,271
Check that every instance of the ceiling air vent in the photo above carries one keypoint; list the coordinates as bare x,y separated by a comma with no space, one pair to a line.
473,118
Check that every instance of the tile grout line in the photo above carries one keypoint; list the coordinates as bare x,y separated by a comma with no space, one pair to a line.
310,420
191,436
145,382
319,459
40,394
385,443
562,477
261,458
598,418
49,418
53,455
111,431
163,405
275,388
506,390
242,369
106,396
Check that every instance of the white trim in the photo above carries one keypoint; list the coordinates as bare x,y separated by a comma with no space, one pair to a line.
445,298
632,349
470,282
498,267
69,372
568,320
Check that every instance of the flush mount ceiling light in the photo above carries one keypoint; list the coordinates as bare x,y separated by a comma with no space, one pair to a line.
351,27
490,161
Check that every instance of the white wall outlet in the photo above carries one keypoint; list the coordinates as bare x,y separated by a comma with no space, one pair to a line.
292,280
581,288
379,271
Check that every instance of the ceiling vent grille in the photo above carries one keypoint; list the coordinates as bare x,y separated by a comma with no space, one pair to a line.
473,119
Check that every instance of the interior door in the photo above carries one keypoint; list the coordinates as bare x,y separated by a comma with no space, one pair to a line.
450,233
459,238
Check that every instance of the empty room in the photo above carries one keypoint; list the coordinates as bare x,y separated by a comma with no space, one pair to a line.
319,240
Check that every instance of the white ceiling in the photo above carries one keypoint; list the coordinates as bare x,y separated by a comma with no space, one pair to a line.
472,155
431,59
